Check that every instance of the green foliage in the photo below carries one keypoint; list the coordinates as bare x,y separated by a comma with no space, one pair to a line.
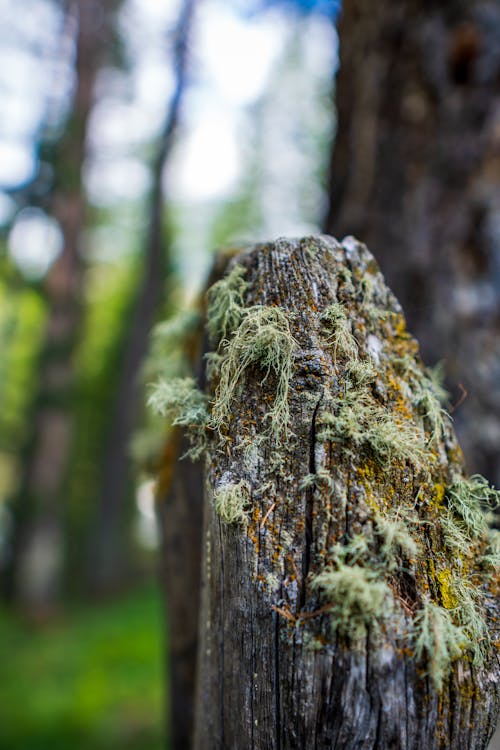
438,640
93,679
22,318
167,355
226,304
264,340
111,290
231,503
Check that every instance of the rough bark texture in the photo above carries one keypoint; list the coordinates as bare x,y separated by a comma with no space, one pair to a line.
273,673
415,172
179,496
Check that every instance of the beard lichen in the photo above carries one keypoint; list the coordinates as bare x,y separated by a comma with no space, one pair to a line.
355,595
468,498
438,642
231,503
226,303
357,419
264,340
339,331
183,404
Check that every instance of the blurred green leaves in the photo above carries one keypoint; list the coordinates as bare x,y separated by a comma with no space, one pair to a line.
90,681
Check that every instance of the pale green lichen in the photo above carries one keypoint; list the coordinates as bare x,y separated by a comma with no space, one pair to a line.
396,540
226,303
340,334
439,641
492,554
469,616
433,413
396,440
168,358
355,595
361,373
321,478
231,502
263,340
468,499
183,404
353,588
357,418
455,534
435,380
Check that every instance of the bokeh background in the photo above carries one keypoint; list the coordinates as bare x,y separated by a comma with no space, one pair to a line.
137,136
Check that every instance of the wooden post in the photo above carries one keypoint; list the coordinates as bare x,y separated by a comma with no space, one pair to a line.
349,576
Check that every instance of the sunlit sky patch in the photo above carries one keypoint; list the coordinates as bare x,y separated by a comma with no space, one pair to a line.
237,55
17,162
34,242
235,59
206,164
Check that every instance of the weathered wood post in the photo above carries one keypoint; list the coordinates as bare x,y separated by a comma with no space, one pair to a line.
349,577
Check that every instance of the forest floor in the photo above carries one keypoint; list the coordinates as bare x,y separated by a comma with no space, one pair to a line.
93,679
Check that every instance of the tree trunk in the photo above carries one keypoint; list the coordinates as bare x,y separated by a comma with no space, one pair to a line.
347,600
415,172
179,513
107,545
179,495
36,566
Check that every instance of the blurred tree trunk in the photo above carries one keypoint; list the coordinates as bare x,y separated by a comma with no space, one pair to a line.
106,565
299,525
179,495
180,518
415,171
37,553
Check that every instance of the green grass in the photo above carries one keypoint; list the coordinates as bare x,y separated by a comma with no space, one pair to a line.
91,681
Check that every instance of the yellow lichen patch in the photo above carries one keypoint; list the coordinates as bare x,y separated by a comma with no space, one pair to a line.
400,404
367,478
438,496
448,597
252,528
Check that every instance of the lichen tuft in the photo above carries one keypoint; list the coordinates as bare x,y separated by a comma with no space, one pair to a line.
263,340
226,303
438,640
468,498
183,404
231,502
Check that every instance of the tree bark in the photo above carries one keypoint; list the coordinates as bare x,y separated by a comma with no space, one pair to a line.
414,171
179,495
179,513
287,658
